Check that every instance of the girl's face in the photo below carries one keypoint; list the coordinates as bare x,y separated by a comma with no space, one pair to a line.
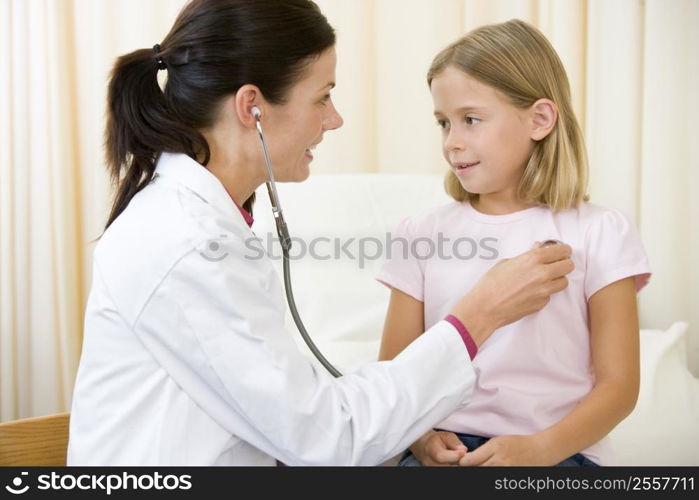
297,126
486,140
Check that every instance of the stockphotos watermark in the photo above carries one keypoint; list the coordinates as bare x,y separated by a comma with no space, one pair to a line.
107,483
360,250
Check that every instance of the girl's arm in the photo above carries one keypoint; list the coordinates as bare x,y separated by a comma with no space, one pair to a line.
614,342
405,321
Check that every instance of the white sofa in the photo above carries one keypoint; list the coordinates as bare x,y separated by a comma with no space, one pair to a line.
343,307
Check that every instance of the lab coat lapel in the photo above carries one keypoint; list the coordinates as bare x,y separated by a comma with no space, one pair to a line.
181,168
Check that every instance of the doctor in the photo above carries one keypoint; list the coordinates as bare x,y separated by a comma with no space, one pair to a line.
185,358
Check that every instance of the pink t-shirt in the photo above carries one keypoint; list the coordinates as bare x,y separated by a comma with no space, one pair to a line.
531,373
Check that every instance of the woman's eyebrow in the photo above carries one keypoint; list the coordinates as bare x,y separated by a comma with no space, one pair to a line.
330,84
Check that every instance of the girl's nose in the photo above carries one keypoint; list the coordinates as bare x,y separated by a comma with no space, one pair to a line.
453,141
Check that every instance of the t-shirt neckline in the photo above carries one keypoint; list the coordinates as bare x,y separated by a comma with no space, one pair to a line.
499,219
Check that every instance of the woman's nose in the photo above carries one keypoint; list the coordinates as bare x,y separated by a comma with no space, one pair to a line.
333,120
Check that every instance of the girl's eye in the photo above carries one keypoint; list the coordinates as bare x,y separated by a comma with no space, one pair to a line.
443,124
472,120
325,99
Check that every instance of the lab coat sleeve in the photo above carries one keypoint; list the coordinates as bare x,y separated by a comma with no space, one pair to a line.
217,328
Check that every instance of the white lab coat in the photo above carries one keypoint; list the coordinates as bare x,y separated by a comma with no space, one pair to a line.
186,360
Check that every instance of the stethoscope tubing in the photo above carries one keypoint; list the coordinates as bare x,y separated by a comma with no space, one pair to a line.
285,240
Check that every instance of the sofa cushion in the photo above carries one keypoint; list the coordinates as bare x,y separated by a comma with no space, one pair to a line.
663,429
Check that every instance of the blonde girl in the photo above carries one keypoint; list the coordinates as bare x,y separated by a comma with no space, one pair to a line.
552,385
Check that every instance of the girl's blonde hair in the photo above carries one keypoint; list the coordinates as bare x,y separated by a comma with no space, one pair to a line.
516,59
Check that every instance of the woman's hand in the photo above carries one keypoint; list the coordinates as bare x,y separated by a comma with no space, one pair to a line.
514,288
438,449
510,450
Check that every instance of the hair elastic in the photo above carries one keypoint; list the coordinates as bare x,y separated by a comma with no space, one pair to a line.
159,60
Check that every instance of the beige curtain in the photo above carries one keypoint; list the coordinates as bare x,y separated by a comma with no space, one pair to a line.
633,67
41,253
54,59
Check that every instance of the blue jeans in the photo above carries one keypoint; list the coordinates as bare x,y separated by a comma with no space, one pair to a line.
473,442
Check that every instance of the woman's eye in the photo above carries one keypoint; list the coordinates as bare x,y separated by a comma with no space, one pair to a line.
471,120
325,99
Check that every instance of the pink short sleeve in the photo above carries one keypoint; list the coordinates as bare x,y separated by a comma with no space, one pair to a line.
403,270
614,252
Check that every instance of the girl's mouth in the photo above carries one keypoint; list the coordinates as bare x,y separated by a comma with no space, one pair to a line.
461,166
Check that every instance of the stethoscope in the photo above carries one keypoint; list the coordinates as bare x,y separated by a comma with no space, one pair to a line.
285,241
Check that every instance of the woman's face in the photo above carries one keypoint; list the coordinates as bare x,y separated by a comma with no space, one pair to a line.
295,128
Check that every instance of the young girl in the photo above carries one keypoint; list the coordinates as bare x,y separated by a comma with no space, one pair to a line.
551,386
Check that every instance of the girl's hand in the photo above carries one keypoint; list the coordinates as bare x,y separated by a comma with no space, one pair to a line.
439,449
510,450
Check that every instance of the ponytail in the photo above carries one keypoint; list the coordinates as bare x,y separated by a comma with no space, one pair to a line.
139,127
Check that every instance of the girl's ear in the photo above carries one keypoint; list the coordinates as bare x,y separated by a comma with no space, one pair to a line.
544,115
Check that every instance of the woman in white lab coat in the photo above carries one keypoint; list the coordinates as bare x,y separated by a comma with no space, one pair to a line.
185,356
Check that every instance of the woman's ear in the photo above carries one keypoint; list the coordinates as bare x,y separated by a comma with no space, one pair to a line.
248,97
544,115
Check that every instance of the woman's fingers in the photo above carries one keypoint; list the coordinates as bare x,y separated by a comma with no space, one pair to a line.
557,285
559,268
553,253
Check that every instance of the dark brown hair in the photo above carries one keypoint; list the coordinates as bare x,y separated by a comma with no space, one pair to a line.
214,48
